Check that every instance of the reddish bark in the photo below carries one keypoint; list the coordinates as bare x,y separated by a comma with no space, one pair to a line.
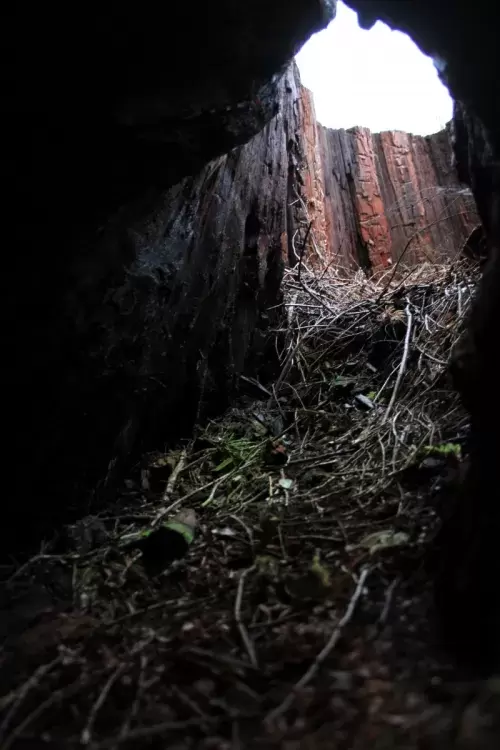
374,197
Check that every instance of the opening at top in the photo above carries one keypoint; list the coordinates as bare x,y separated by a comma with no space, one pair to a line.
378,79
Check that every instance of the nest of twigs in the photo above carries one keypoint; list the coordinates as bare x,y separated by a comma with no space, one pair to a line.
376,356
299,614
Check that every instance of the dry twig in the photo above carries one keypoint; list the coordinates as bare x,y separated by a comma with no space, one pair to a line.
324,653
237,616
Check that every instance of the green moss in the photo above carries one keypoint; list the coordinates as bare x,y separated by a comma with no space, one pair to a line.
444,449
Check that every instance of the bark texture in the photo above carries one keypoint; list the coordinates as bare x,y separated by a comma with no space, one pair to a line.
379,198
136,270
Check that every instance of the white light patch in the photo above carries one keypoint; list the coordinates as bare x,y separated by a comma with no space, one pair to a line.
378,79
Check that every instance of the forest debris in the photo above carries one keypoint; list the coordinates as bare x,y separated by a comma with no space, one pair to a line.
331,643
275,453
380,540
256,610
364,401
163,544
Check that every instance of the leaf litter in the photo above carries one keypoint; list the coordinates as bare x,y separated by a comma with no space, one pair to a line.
289,604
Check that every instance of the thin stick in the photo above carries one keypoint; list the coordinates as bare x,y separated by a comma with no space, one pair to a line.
86,735
174,475
402,366
23,567
388,600
144,733
196,490
247,529
23,691
330,645
54,697
303,249
255,382
180,465
130,716
237,616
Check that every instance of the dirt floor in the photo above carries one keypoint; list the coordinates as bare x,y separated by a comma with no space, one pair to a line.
268,584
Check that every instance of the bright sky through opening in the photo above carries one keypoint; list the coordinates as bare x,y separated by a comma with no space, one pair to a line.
377,78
